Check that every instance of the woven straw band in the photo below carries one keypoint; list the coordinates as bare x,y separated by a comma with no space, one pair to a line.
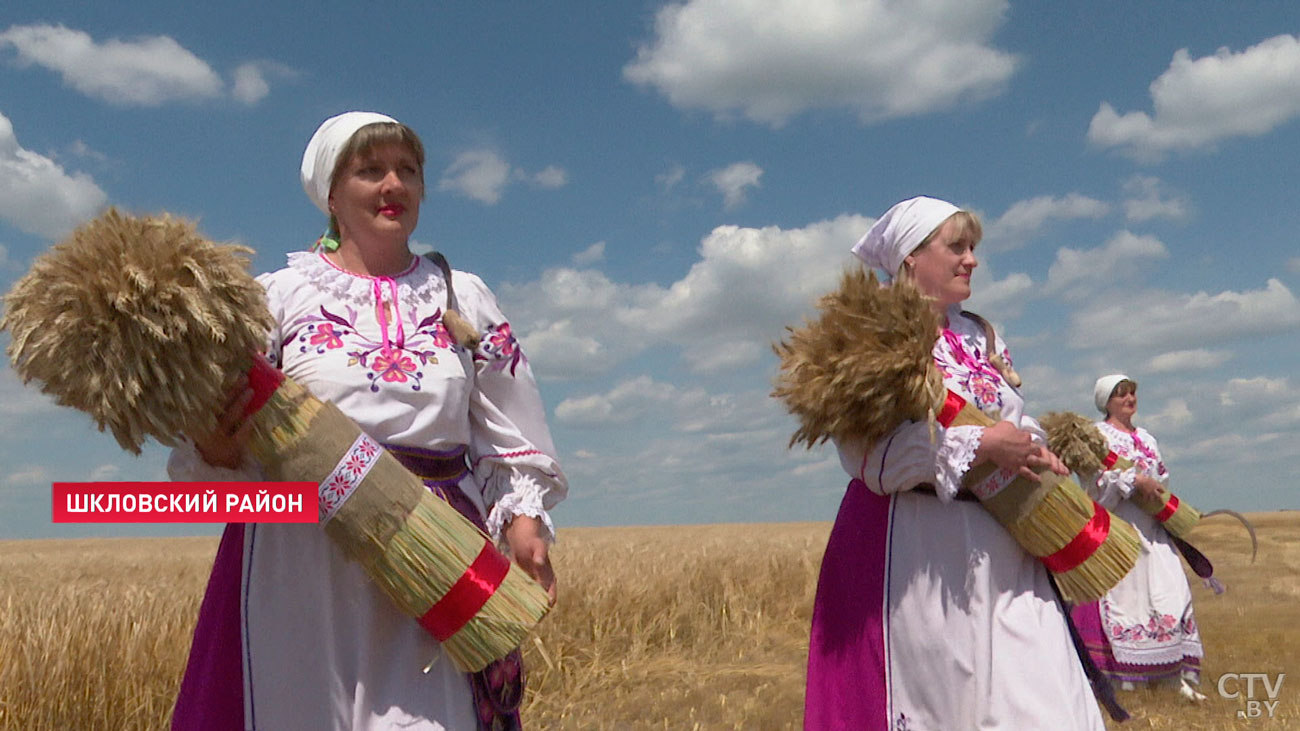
468,595
347,475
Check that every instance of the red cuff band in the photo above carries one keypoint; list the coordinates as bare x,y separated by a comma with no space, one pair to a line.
1111,459
263,378
951,405
1082,546
1169,509
468,595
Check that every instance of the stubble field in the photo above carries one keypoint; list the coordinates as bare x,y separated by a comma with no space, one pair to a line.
693,627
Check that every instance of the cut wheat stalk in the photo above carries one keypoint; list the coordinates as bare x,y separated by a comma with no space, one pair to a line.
865,366
172,320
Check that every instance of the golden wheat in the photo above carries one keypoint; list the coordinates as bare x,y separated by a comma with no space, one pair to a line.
657,628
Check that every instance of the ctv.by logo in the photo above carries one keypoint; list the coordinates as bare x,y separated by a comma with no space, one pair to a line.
1230,687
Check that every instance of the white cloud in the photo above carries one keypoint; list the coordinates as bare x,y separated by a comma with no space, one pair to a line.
733,180
28,476
1175,416
1148,199
477,174
1077,274
745,287
1196,359
105,473
632,400
1004,296
21,405
250,85
79,148
1180,321
483,175
420,248
146,71
590,255
1025,219
1198,102
37,195
668,180
551,177
769,62
1255,393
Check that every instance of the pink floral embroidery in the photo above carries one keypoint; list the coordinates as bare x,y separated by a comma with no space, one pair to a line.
396,363
326,336
501,349
356,463
392,366
984,390
440,337
1160,628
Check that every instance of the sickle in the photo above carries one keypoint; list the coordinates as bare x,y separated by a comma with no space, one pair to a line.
1254,542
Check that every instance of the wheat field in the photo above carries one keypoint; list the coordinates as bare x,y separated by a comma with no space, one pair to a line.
691,627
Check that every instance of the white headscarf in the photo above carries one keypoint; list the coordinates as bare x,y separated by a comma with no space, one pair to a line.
897,233
1106,384
322,152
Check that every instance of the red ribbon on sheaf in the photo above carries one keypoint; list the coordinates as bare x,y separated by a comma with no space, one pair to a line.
1111,459
1169,509
263,378
468,595
1083,545
952,404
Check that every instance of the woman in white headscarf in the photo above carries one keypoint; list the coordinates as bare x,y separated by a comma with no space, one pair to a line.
291,635
1144,629
928,614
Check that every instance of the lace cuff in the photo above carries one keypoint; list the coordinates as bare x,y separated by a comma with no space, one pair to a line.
956,452
185,464
513,491
1116,485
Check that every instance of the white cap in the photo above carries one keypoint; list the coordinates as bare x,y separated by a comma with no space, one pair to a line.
897,233
322,152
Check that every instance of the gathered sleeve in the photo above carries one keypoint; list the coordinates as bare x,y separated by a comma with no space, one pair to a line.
1157,467
1114,486
511,452
908,457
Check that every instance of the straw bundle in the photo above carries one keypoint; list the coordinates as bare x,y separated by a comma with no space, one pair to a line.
170,320
865,366
1083,448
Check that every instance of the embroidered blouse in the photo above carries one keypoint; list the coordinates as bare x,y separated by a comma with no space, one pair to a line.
909,456
1137,446
377,348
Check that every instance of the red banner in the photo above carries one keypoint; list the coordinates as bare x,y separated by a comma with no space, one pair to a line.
185,502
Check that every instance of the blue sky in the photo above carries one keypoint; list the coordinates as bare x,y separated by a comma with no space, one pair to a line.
655,190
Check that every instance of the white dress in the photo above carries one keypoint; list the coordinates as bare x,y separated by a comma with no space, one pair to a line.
1148,626
321,647
929,615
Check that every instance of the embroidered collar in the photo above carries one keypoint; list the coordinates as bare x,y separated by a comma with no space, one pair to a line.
422,282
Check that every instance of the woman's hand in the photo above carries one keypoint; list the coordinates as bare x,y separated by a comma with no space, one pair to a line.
526,537
1045,460
1013,449
224,446
1148,486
